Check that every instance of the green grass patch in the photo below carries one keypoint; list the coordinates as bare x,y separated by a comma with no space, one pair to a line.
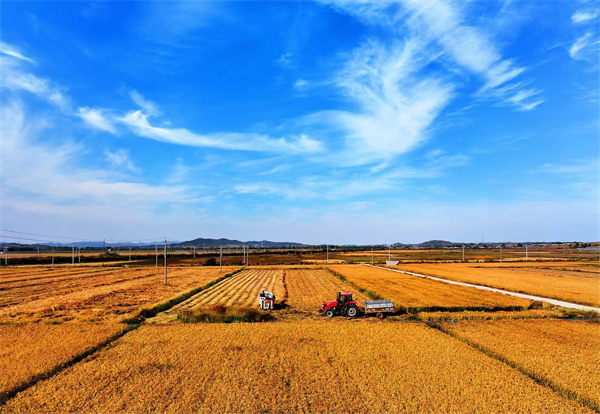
221,314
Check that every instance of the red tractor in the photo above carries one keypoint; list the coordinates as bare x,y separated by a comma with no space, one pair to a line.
344,305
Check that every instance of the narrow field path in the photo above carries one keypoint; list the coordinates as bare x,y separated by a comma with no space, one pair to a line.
504,292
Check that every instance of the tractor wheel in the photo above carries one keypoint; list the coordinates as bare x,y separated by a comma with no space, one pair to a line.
380,315
351,311
329,313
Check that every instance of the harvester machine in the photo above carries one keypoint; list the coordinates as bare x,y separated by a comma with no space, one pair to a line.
266,300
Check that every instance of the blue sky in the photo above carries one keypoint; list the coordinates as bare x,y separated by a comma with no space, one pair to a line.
318,122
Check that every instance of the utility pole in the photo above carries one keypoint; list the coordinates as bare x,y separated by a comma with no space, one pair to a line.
53,258
165,260
220,258
156,252
73,257
38,253
79,254
130,254
5,256
463,252
327,254
389,252
500,253
194,252
526,252
104,245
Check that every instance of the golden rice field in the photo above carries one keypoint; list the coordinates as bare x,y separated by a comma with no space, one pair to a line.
578,283
93,294
308,289
296,363
33,349
290,367
565,352
414,293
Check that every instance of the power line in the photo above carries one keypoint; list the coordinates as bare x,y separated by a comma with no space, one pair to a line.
41,235
68,238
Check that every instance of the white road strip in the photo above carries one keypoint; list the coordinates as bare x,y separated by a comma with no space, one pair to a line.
504,292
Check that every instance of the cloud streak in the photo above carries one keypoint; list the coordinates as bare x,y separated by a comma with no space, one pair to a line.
138,123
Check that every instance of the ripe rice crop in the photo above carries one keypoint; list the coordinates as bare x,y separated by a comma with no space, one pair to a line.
417,294
565,352
308,289
290,367
570,286
33,349
97,295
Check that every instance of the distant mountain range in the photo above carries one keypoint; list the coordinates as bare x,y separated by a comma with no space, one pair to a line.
211,243
201,242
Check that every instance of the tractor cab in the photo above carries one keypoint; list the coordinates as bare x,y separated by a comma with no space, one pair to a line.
343,298
343,305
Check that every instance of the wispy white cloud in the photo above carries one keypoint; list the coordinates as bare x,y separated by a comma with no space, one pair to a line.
137,121
175,23
301,84
10,50
522,100
588,168
15,77
285,60
442,23
395,103
120,159
576,49
96,118
57,180
583,16
149,107
356,184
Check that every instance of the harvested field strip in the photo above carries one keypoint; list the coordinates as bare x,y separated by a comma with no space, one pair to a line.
308,289
208,368
80,280
582,290
34,351
52,274
165,306
416,294
564,354
240,290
